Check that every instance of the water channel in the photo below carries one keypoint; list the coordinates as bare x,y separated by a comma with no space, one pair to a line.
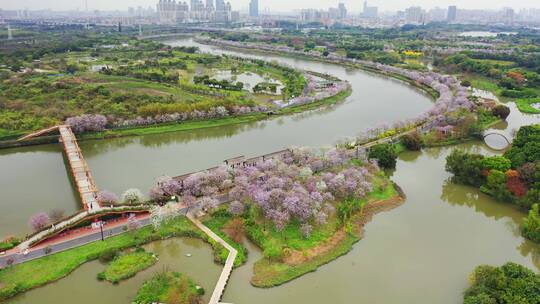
421,252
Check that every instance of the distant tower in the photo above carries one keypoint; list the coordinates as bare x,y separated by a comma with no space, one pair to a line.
120,26
254,8
140,30
10,32
452,13
86,5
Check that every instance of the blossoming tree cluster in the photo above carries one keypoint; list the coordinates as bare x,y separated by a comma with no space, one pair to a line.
303,187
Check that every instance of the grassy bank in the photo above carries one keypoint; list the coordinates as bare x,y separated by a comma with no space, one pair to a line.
169,287
127,265
270,273
184,126
23,277
288,254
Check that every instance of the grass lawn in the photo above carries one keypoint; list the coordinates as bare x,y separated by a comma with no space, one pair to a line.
22,277
127,265
169,287
525,105
484,83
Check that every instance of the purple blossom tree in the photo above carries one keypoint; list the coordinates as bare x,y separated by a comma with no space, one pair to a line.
39,221
107,198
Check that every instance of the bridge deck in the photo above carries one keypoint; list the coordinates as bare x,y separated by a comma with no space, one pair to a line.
39,133
79,169
229,264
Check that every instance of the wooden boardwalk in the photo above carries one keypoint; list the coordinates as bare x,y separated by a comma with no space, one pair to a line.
229,264
79,169
39,133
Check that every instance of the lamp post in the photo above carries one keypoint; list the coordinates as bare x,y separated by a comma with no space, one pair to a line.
101,229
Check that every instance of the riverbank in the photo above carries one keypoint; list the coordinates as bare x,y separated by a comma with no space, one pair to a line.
289,254
20,278
268,273
184,126
425,88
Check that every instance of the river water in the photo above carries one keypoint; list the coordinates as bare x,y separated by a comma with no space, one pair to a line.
421,252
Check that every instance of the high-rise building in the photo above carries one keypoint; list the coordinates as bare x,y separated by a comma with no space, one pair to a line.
371,12
171,12
210,5
254,8
508,15
342,11
414,14
452,13
220,5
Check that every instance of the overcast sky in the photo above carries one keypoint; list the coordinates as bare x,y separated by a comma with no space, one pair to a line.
272,5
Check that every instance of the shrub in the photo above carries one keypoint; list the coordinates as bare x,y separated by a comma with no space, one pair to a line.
525,147
412,141
501,111
467,168
531,225
101,276
132,196
496,163
385,155
496,185
108,255
273,252
510,283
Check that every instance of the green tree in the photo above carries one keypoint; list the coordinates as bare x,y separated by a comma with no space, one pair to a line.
467,168
412,141
496,163
508,284
531,225
525,147
385,154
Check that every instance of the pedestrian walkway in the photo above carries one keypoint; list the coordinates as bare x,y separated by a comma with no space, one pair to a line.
229,263
79,169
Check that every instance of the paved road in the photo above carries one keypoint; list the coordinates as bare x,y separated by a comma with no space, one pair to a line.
86,239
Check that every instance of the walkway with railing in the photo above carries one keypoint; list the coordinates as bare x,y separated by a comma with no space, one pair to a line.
229,263
80,171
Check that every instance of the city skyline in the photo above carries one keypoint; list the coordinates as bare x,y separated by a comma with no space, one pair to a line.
274,5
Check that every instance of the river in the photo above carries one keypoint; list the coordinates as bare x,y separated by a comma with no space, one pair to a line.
421,252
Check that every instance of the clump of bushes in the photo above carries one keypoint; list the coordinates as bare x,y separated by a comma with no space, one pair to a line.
9,243
385,154
169,287
501,111
531,225
108,255
508,284
412,141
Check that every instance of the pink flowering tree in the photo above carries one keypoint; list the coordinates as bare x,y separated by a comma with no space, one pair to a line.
39,221
107,198
87,123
